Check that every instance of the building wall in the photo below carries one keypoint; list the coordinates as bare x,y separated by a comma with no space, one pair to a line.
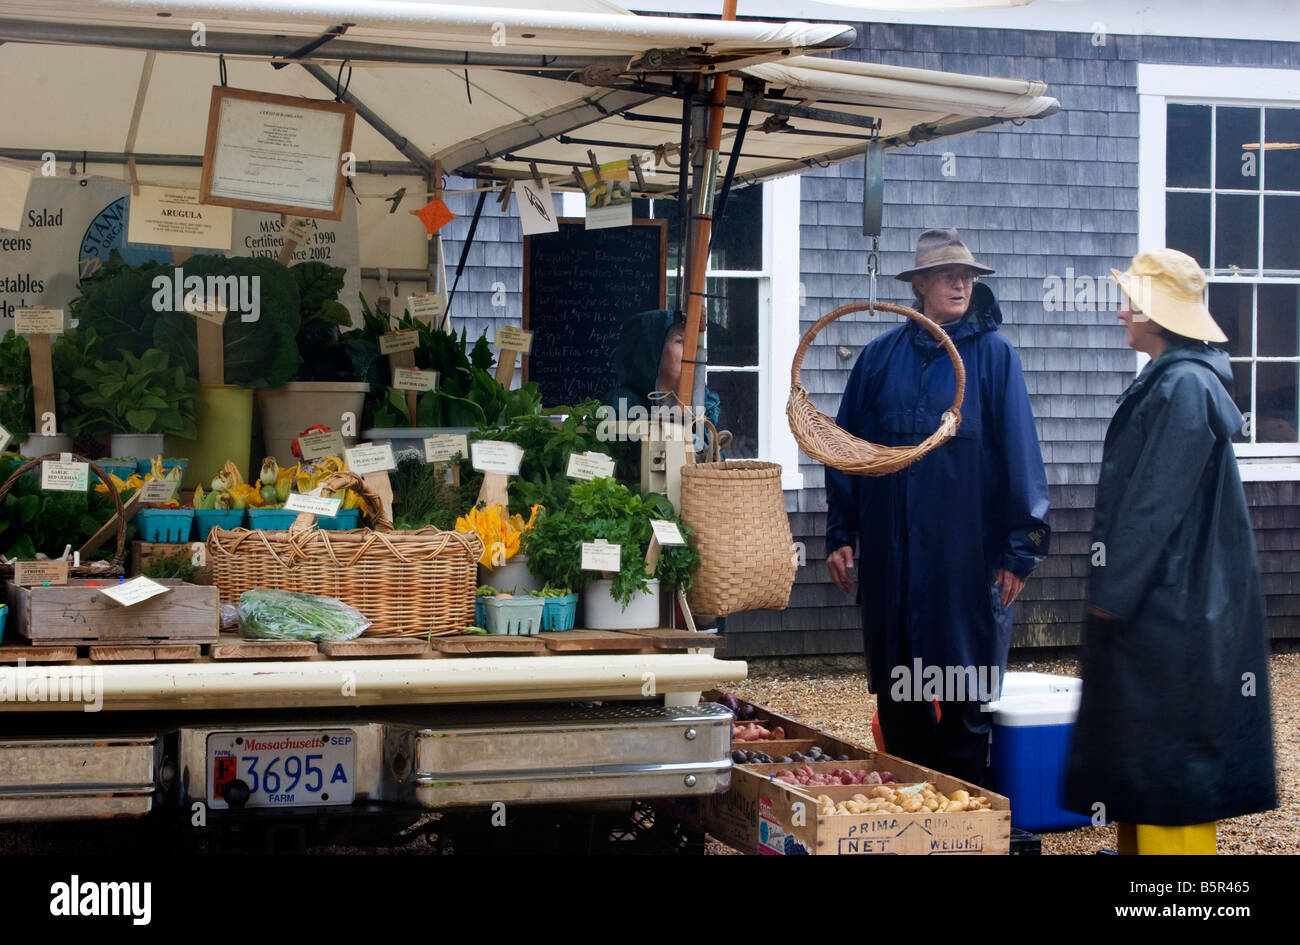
1036,201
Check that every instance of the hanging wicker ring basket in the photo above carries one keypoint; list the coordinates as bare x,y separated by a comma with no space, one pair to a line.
820,437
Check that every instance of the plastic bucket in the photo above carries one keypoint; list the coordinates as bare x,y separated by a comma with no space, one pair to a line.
142,446
225,431
287,411
513,577
601,612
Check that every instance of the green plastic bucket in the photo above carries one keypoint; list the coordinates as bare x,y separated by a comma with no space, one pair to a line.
225,431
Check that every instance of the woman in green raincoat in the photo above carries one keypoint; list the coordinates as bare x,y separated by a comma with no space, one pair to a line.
1174,730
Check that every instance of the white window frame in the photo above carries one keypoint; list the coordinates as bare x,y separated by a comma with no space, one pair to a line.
778,320
1159,86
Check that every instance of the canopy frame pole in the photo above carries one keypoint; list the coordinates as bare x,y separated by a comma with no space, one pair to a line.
372,118
382,168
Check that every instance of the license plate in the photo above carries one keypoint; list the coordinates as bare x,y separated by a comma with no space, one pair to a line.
284,769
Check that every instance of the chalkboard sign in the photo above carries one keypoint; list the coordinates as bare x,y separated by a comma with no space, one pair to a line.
580,287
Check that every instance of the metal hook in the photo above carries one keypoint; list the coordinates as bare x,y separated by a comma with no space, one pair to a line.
873,266
221,68
338,81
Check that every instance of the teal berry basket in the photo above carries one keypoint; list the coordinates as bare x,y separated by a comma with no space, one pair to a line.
165,525
123,469
206,520
4,619
271,520
559,613
518,616
346,520
480,613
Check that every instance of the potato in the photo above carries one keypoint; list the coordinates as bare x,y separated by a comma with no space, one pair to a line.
881,791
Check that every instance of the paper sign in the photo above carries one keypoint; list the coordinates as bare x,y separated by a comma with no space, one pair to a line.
14,183
158,490
601,556
667,532
536,207
424,306
5,437
298,229
316,446
609,200
509,338
313,504
65,477
411,379
173,216
210,310
441,447
394,341
133,591
490,456
589,465
38,321
35,573
368,459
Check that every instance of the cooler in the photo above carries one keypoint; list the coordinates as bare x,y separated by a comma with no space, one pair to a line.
1032,725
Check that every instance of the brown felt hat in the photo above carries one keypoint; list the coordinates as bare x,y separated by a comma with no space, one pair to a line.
943,247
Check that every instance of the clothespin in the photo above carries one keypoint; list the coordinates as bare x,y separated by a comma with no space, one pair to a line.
130,170
437,180
504,199
577,175
636,169
537,178
595,165
396,199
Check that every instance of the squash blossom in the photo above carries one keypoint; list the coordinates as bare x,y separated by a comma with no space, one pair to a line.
497,532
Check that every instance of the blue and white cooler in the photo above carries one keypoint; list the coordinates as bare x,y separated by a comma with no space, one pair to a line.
1033,721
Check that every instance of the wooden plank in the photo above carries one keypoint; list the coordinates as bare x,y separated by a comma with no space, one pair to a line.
78,614
234,647
473,645
377,646
12,653
571,641
146,654
666,638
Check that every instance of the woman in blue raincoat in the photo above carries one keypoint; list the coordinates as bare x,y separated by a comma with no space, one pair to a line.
1174,730
945,546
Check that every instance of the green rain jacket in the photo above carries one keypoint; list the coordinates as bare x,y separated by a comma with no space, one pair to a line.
636,359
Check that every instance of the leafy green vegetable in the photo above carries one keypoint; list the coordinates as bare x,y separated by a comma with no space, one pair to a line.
33,520
285,615
421,497
138,395
67,354
178,565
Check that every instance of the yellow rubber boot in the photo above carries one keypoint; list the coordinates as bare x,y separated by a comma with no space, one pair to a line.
1149,840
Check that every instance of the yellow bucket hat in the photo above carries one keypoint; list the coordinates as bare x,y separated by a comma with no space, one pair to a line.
1168,287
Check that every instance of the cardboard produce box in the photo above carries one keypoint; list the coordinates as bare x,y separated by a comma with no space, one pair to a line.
759,815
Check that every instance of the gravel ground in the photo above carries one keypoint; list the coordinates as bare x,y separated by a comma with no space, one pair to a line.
832,695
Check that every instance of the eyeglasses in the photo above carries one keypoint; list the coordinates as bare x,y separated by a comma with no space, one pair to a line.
949,277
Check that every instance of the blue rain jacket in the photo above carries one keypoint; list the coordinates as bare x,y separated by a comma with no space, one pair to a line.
931,537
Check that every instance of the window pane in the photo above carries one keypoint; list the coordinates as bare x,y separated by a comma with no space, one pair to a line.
1281,241
1282,168
737,241
733,321
1230,306
738,412
1277,403
1236,233
1278,321
1240,391
1187,225
1236,168
1187,146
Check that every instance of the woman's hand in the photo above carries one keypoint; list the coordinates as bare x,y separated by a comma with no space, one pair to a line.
839,563
1010,584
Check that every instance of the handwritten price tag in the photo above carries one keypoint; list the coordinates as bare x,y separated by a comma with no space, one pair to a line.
514,339
395,341
424,306
35,573
298,230
589,465
58,476
135,591
601,556
411,379
209,310
158,490
5,437
314,504
441,447
667,532
490,456
368,459
38,321
319,445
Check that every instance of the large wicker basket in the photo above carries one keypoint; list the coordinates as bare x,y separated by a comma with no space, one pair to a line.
747,554
409,584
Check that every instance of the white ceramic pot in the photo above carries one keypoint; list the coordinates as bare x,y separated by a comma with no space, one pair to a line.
138,445
601,612
37,445
513,577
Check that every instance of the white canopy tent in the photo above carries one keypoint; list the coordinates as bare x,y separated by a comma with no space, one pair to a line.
484,90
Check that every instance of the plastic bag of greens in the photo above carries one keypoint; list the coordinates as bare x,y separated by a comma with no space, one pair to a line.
285,615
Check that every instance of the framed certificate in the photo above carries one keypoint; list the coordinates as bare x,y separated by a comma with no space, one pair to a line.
276,153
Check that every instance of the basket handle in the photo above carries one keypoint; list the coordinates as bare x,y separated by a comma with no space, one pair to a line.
104,477
929,325
337,482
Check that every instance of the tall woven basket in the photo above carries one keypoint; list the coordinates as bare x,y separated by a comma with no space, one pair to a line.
410,584
747,554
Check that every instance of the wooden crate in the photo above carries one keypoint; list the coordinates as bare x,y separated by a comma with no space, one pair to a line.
78,614
144,553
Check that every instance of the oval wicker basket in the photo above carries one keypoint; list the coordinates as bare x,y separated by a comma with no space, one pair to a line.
820,437
742,533
409,584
